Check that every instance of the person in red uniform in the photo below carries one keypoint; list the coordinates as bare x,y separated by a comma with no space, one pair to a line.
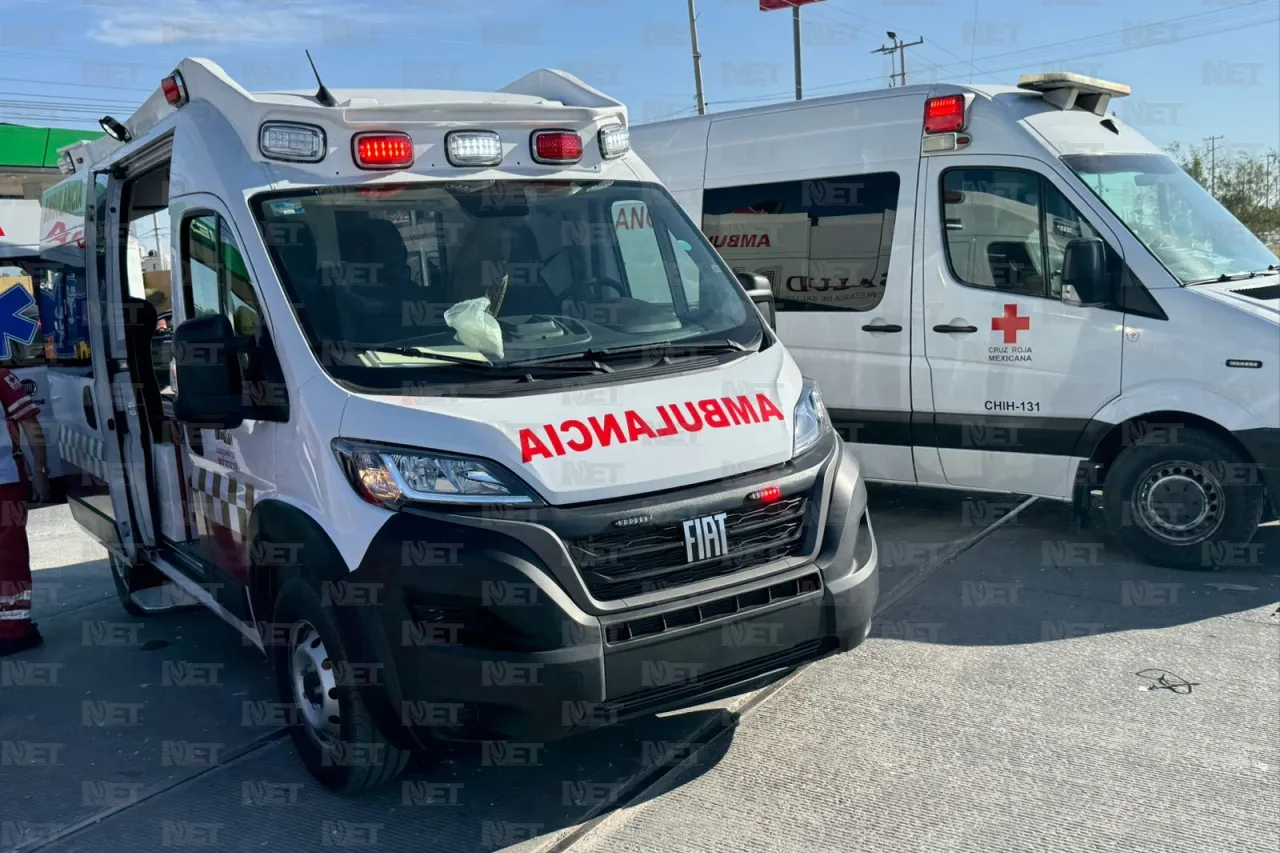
17,631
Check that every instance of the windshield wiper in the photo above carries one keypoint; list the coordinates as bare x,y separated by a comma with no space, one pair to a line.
498,369
663,350
1235,276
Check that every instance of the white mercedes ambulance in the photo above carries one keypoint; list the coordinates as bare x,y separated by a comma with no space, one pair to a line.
1008,289
461,452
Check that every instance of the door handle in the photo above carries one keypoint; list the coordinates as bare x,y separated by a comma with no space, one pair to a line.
89,417
873,327
965,330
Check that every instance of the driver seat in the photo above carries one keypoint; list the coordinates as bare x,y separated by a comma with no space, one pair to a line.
497,247
140,318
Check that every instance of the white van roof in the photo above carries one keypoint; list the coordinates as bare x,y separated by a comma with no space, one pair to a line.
1064,90
545,95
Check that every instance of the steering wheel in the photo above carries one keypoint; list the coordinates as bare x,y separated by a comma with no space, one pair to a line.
600,289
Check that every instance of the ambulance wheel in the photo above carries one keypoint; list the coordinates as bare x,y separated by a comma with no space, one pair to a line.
1181,504
334,734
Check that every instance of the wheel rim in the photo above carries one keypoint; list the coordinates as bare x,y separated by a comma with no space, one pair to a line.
315,687
1179,502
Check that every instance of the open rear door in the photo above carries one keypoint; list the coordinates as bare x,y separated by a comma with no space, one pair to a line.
114,394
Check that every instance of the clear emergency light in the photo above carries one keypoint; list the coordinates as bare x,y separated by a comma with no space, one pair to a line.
298,143
175,89
382,150
473,148
615,140
556,147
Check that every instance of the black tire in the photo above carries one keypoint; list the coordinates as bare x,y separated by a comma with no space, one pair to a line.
354,755
1151,477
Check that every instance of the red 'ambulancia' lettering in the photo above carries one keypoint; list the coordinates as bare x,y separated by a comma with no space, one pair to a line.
713,414
579,437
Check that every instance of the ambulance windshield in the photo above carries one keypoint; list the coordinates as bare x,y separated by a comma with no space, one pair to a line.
1195,237
496,272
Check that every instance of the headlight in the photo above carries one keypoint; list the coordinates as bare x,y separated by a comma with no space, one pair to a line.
393,476
810,418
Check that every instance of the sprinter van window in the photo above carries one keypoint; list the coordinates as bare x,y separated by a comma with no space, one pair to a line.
1008,229
473,287
824,244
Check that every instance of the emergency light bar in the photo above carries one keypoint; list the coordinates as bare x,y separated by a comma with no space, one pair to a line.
298,143
382,150
615,140
473,148
1068,91
556,147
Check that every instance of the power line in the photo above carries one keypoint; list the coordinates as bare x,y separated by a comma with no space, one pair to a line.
1102,40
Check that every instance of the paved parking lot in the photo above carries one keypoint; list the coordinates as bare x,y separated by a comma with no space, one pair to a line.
996,706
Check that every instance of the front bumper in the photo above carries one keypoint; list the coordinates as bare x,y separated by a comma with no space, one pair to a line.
487,629
1264,446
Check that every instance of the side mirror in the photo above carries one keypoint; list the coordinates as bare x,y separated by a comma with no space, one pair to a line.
210,387
1084,270
761,293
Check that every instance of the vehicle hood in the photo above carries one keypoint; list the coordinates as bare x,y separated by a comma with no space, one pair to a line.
1259,295
607,441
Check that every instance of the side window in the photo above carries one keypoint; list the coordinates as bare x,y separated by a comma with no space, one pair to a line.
645,273
199,242
1062,224
643,265
991,220
1008,230
823,244
217,278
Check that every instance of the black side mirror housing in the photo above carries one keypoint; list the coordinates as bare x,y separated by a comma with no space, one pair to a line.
761,293
1084,270
210,390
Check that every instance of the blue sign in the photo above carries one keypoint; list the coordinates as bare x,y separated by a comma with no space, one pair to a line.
14,324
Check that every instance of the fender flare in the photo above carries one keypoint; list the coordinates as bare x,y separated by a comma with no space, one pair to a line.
1165,398
286,542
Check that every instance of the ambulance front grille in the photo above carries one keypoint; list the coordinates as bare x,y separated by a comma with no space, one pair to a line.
652,559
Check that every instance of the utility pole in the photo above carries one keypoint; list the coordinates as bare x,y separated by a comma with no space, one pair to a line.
1273,175
899,47
697,59
795,39
155,223
1213,164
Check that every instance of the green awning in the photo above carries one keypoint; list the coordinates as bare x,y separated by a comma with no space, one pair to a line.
36,147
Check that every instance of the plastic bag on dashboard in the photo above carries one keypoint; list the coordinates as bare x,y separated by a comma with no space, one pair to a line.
475,326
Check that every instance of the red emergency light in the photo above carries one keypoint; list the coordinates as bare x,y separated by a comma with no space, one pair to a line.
381,150
944,115
175,89
766,495
556,147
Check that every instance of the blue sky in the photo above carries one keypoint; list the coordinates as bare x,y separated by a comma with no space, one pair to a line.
1197,67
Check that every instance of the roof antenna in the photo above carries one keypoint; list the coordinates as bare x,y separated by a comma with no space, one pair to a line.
324,96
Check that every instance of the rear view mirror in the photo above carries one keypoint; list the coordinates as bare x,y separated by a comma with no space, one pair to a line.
210,387
761,293
1084,270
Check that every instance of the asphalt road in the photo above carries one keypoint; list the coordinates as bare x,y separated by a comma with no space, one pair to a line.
996,706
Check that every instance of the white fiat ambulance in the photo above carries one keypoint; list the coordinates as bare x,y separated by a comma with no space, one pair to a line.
1008,289
465,457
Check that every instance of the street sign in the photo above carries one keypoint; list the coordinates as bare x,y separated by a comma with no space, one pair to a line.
775,5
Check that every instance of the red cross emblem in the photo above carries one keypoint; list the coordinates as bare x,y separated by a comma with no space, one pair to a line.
1010,323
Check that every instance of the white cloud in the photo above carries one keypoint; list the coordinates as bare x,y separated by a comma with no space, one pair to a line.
314,23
